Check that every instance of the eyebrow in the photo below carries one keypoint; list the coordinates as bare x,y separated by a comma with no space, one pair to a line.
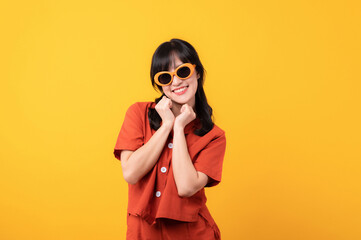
178,65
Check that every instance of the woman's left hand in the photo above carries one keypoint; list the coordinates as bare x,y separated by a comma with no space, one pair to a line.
186,116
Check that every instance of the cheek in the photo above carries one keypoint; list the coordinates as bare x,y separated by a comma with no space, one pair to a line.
165,89
195,85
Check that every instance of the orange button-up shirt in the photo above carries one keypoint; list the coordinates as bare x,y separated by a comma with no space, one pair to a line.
155,195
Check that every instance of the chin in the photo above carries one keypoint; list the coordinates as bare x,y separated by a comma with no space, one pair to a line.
181,100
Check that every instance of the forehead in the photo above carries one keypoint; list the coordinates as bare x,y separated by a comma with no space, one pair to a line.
175,62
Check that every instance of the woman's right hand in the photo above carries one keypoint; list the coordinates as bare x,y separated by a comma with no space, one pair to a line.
163,108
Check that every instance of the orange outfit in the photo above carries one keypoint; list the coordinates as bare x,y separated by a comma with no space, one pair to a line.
154,205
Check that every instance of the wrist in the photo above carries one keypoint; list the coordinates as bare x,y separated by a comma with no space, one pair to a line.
178,128
167,125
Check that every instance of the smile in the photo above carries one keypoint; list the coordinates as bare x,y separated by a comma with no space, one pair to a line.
180,91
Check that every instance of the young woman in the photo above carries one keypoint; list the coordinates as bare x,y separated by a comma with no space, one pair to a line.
170,150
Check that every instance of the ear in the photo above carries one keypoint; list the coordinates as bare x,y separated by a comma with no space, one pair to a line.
198,76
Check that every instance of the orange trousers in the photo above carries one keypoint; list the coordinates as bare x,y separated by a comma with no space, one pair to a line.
168,229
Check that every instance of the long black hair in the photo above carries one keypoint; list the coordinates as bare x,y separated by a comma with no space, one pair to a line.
161,60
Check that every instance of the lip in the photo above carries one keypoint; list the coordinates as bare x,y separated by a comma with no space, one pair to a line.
182,92
179,88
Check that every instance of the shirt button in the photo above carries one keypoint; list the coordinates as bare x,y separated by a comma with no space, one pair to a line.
157,194
163,169
170,145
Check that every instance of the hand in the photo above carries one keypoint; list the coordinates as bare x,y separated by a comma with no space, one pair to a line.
163,108
186,116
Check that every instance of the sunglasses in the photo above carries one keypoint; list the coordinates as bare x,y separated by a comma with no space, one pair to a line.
183,72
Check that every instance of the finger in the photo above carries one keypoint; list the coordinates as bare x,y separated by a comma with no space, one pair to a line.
192,110
166,101
183,108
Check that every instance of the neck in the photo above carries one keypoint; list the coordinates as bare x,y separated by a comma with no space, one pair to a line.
176,107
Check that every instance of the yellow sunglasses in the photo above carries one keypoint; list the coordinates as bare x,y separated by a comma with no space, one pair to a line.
183,72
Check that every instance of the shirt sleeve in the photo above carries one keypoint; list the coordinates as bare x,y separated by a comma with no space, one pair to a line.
131,135
210,160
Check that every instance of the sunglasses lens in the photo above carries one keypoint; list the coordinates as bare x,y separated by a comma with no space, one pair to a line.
164,78
184,72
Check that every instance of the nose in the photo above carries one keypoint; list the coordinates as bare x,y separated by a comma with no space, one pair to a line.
176,81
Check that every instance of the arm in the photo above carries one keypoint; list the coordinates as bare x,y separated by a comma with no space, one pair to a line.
188,180
136,164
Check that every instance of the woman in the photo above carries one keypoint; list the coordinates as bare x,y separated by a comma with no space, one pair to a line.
170,150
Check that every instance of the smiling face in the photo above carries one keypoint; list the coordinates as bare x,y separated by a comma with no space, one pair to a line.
181,91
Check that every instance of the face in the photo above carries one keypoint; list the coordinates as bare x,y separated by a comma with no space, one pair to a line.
182,91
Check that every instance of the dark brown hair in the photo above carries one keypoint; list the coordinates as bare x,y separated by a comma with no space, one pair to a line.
162,59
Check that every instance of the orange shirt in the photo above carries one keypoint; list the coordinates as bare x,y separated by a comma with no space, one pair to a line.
155,195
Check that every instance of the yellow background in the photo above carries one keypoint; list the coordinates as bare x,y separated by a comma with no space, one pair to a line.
283,78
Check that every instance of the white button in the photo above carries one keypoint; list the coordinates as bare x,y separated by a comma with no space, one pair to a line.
157,194
170,145
163,169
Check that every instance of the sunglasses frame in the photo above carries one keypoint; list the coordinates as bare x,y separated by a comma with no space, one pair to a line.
189,65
